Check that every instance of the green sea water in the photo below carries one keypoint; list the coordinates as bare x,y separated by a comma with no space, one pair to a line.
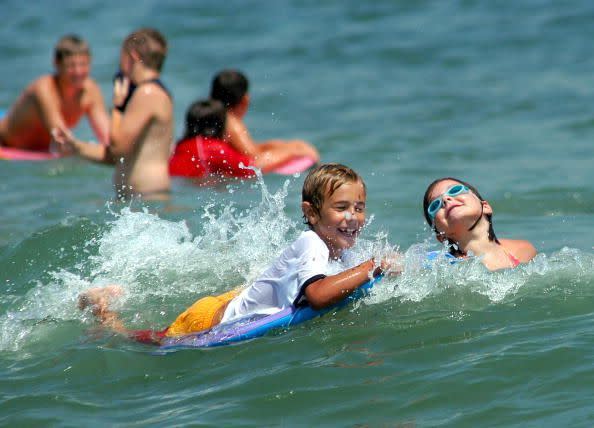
496,93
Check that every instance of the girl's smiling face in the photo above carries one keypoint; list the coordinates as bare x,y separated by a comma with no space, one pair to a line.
457,213
340,218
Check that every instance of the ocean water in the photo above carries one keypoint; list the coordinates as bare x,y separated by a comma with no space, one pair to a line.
497,93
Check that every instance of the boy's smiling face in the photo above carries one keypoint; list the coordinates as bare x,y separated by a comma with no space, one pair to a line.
340,218
74,69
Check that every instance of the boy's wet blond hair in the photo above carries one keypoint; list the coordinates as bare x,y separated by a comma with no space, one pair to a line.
323,180
69,45
150,45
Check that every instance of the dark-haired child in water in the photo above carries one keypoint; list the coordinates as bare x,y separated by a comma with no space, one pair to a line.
462,217
202,151
231,88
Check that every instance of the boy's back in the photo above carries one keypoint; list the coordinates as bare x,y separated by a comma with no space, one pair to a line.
146,170
142,122
280,285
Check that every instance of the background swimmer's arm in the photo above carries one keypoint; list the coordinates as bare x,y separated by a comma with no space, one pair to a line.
98,118
238,136
68,144
334,288
48,101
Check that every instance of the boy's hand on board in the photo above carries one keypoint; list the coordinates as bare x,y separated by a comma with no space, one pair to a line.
392,263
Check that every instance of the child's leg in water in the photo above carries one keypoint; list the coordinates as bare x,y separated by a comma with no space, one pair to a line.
203,314
98,299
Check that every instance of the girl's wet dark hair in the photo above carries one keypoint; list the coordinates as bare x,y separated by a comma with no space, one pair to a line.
229,87
453,249
206,118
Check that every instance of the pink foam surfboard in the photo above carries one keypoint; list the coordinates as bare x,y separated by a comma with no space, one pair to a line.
8,153
295,166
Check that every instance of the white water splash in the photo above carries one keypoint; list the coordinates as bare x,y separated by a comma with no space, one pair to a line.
459,286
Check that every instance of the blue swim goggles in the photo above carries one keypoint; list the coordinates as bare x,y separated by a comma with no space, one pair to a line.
437,203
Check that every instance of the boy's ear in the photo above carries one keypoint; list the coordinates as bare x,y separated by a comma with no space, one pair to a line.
309,212
135,56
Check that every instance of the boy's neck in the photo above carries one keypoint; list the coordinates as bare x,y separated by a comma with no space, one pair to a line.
236,112
240,109
142,74
65,89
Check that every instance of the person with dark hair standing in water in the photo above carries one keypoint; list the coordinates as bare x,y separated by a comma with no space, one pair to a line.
202,152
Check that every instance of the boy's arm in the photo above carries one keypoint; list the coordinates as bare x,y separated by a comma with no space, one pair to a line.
93,152
332,289
97,115
239,138
126,128
49,104
68,144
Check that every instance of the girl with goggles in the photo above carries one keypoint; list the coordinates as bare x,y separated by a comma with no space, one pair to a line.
462,218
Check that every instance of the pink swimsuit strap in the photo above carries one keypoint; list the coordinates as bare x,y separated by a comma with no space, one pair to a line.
515,261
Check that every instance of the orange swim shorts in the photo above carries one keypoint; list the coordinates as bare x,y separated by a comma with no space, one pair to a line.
203,314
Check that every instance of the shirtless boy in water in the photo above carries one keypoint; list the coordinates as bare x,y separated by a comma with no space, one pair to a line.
57,100
141,132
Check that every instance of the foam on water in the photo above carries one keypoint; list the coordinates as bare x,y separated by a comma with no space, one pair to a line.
469,285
